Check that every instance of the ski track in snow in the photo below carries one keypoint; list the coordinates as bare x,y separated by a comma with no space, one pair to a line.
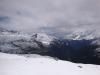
11,64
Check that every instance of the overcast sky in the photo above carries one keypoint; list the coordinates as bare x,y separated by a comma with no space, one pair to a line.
50,15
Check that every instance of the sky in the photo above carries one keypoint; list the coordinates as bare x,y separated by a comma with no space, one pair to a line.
50,16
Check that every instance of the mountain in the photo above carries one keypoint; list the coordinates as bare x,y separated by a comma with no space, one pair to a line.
79,48
17,42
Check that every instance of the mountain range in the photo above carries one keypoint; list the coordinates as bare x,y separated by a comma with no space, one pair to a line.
76,47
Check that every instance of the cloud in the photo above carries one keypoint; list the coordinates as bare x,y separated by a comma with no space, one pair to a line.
53,15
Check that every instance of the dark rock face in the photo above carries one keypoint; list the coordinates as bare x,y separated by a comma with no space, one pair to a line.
79,51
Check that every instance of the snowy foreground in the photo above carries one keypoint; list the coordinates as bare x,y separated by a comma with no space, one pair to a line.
11,64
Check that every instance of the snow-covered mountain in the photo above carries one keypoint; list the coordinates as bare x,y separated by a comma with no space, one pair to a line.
81,35
17,42
75,47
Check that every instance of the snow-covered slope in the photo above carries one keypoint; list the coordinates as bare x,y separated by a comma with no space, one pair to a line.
15,42
11,64
79,35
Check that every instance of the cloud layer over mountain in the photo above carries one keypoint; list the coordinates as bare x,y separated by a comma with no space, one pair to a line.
50,16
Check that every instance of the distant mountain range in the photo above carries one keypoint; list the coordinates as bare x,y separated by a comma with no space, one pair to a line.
75,47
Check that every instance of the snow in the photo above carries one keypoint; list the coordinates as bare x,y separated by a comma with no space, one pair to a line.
79,35
41,37
45,39
10,42
11,64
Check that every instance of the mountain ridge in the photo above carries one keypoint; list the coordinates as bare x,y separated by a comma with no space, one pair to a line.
75,49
